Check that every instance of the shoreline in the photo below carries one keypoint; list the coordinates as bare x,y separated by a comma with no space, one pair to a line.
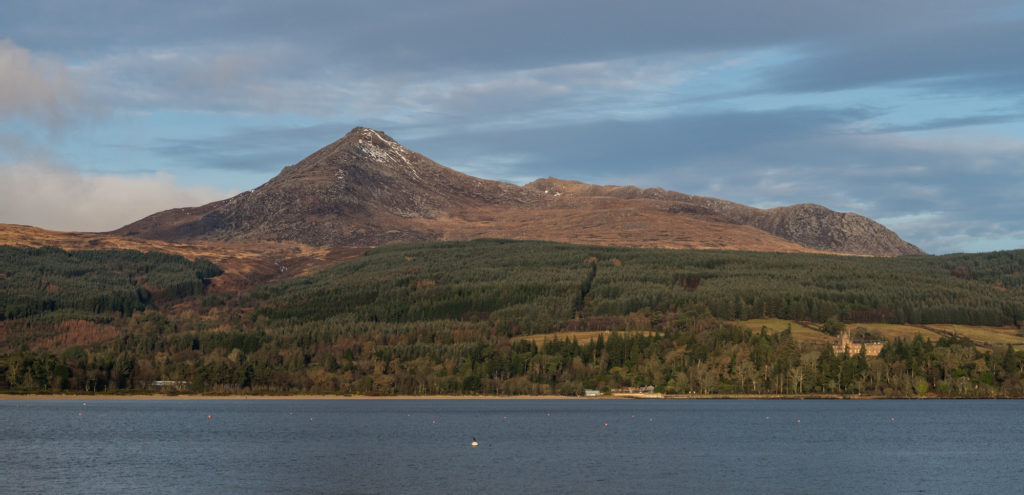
269,397
77,397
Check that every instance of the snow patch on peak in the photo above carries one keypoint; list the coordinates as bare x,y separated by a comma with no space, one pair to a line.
385,151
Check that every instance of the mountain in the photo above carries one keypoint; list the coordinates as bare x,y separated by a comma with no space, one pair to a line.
368,190
363,190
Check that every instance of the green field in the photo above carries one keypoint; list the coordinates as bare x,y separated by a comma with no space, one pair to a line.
984,337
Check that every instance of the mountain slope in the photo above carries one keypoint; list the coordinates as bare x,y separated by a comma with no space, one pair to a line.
367,190
244,263
809,225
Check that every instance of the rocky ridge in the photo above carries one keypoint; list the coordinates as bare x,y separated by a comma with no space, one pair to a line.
809,225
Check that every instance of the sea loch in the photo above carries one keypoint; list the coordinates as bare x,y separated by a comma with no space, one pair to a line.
525,446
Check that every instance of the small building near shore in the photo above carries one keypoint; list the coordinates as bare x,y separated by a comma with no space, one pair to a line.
175,385
638,393
846,344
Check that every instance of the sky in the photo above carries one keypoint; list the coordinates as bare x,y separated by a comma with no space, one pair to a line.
909,112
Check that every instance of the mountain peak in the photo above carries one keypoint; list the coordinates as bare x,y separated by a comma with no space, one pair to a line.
368,133
362,146
372,141
378,147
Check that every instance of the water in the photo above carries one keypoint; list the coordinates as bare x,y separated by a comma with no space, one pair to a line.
526,446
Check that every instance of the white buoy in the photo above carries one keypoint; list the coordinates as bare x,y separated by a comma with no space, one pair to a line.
474,444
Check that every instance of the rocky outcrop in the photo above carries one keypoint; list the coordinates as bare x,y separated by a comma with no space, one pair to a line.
367,190
820,228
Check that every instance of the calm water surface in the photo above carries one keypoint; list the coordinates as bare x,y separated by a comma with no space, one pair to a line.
526,446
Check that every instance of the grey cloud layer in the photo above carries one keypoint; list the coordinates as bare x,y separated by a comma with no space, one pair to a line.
35,88
978,55
400,36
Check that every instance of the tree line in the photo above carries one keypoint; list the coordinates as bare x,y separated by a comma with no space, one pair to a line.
686,354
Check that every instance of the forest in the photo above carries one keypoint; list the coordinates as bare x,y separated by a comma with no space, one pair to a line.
465,317
46,280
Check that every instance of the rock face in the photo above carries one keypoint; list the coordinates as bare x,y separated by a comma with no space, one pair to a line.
820,228
367,190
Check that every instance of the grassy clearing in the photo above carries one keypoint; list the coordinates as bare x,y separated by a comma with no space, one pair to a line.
800,331
986,337
582,337
893,331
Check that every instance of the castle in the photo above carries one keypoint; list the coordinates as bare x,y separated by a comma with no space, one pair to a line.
846,344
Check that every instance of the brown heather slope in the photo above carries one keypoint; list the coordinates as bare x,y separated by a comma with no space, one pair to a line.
811,226
243,263
611,222
367,190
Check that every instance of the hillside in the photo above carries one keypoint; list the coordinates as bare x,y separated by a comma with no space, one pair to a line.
367,190
534,286
507,317
245,263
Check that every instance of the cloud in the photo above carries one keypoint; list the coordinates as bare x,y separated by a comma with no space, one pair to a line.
952,122
219,78
443,36
253,149
970,55
61,199
735,141
454,57
35,88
